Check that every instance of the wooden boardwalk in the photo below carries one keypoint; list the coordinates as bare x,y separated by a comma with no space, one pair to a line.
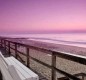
6,55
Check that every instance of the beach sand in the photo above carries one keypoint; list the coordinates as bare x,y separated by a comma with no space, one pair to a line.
63,64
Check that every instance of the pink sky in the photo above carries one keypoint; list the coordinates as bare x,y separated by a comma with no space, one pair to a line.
42,15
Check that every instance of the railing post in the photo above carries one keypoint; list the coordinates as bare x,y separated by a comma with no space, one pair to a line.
1,42
1,76
5,45
9,48
15,50
28,61
53,65
83,78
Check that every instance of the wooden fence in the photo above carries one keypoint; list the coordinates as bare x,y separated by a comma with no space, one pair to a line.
7,44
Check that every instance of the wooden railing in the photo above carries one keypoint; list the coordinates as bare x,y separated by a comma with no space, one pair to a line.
7,44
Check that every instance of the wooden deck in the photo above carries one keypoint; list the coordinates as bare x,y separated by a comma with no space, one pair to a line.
6,55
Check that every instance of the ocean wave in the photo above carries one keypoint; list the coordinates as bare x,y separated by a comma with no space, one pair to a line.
65,41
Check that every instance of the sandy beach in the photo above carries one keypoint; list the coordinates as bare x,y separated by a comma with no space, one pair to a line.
54,47
63,64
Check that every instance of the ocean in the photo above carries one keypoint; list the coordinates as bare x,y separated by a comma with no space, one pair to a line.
74,39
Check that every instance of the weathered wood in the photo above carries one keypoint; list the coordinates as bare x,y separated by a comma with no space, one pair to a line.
71,57
28,57
1,76
5,45
9,48
67,74
16,51
4,69
21,69
20,58
1,42
53,65
16,69
83,75
21,53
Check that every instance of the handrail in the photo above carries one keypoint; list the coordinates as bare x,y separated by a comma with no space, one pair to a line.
71,57
76,58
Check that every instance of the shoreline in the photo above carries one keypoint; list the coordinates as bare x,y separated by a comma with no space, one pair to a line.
61,63
56,47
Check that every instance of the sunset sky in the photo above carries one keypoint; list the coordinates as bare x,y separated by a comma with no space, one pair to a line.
21,16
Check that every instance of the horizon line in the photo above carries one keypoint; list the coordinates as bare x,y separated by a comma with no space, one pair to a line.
46,32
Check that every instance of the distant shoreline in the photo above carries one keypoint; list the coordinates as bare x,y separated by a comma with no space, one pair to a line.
47,32
54,47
